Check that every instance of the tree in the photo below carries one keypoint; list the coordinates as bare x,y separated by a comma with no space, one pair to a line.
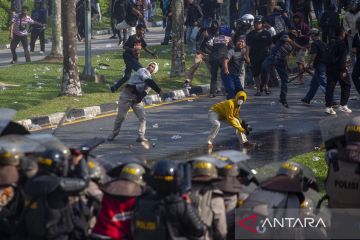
178,50
56,47
71,85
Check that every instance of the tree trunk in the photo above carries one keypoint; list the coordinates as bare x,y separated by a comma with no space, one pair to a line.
71,83
178,50
56,47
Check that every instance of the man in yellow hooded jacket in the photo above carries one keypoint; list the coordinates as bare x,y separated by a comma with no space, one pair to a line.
228,111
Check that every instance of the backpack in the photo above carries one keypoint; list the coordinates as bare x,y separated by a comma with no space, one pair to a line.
327,56
149,219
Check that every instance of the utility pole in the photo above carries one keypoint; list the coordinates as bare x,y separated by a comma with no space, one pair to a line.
88,72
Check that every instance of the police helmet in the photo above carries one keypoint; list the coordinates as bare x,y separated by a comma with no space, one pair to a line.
259,19
133,172
230,170
53,161
290,169
10,158
225,30
204,171
165,177
352,130
97,171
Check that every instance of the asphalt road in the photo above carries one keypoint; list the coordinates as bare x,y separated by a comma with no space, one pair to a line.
179,130
99,45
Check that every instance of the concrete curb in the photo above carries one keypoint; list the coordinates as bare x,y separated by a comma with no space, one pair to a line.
93,111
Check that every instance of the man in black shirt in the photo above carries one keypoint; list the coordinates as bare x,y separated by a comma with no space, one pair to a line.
356,50
210,8
336,71
258,43
131,56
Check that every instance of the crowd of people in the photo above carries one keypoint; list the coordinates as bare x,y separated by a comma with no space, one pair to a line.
50,191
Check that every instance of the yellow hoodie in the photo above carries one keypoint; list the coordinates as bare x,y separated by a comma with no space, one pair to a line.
229,111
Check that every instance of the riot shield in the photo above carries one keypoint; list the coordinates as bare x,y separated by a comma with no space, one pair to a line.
18,144
332,130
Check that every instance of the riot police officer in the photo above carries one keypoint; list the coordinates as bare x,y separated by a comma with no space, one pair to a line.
48,213
343,179
208,199
11,197
165,214
114,219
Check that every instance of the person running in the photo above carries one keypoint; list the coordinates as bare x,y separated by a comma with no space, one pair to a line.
131,56
319,77
39,14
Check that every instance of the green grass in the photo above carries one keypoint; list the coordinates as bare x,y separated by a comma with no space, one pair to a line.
316,161
39,96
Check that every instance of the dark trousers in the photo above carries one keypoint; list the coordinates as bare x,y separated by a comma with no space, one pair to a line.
168,29
35,34
281,68
24,41
215,65
131,63
356,75
232,84
333,76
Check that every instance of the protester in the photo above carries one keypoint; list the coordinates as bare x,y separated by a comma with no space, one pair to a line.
165,5
228,111
132,96
118,14
194,17
258,43
211,11
356,50
19,33
233,72
329,21
131,55
39,14
80,17
319,77
350,26
336,71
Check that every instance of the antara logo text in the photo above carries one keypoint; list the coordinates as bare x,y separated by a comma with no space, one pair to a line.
250,223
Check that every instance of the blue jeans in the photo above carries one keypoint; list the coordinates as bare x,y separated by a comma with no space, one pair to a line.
318,80
231,84
189,42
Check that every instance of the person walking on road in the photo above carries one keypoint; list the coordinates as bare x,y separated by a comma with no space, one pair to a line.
228,111
19,33
132,96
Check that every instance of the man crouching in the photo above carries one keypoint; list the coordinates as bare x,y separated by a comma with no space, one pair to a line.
228,111
134,92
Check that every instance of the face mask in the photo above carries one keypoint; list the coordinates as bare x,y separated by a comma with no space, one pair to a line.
240,102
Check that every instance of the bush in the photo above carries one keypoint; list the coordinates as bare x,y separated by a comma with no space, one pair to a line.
4,15
105,6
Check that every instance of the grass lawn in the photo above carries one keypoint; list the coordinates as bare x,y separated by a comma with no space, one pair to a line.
40,83
316,161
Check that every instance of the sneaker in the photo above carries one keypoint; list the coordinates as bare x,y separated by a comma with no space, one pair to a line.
120,42
345,109
12,62
113,37
330,110
257,94
212,95
141,139
305,101
112,89
41,52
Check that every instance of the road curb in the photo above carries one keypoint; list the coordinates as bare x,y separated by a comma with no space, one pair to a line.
39,122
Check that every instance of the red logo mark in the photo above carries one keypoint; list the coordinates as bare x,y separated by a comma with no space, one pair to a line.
252,227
